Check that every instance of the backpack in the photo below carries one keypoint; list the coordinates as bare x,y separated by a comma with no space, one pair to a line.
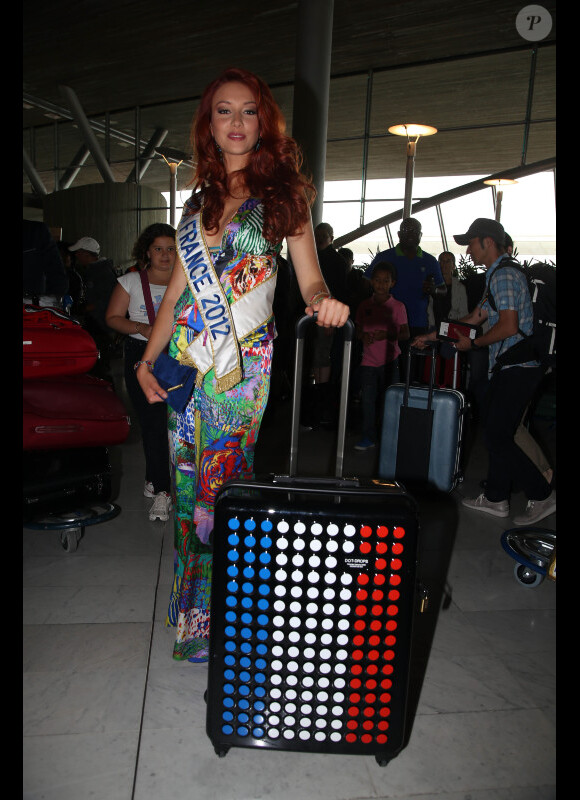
541,344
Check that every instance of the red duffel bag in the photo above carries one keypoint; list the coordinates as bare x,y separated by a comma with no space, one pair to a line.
72,411
54,344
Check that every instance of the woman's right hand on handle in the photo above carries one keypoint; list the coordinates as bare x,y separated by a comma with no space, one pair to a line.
148,382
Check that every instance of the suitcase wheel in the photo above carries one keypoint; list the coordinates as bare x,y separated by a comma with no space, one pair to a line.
527,577
381,761
221,751
70,539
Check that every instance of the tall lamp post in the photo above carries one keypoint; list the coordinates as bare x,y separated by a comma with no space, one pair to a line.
413,132
172,189
498,183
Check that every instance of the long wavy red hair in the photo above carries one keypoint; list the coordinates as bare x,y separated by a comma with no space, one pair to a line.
272,174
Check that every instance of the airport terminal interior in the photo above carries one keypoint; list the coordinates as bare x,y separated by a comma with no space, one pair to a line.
108,714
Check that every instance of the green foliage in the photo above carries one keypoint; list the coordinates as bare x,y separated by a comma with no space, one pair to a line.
535,265
465,268
365,264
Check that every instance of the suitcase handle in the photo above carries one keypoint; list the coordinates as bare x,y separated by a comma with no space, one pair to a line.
378,488
315,483
304,322
301,328
433,347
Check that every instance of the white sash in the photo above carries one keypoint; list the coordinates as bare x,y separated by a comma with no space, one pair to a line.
217,344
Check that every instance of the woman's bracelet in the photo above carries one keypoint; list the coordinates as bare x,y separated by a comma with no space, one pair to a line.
318,297
137,327
150,364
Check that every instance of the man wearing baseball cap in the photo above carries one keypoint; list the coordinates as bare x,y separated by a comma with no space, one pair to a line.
88,246
507,306
99,279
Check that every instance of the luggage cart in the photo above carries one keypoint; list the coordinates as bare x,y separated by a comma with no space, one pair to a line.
72,523
67,490
69,420
534,551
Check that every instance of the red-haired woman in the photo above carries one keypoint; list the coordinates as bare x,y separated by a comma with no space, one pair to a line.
217,316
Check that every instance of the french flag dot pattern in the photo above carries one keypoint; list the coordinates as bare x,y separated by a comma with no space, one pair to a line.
310,630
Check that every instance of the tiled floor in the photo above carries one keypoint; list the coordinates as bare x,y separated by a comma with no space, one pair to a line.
108,714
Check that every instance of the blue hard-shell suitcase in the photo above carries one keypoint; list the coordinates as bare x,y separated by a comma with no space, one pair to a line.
313,594
422,433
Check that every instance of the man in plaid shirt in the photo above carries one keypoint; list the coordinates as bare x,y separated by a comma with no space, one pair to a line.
512,386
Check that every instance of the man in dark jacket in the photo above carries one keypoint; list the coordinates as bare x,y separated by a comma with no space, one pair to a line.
43,273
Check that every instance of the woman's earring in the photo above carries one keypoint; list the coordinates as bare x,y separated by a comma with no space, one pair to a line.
258,144
218,148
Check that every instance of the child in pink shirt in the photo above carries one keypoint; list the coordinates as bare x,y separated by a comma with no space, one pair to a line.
381,322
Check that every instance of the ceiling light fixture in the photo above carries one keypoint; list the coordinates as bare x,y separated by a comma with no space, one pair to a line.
496,184
413,131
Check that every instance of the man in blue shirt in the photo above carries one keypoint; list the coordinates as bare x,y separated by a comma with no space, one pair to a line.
419,276
512,386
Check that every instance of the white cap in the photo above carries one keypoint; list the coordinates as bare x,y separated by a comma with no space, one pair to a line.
86,243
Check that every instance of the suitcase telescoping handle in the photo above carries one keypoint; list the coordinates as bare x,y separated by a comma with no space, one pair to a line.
301,328
433,347
415,427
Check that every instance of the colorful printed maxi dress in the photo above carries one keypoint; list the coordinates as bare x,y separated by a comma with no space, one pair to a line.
214,439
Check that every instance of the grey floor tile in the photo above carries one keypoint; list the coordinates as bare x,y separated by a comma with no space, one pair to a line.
73,604
85,647
187,758
90,766
175,698
456,684
520,631
472,751
483,580
82,702
512,793
84,570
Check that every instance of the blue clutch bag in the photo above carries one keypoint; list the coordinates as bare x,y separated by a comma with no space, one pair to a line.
177,379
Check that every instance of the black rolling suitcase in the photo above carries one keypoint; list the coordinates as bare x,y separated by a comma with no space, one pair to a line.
312,603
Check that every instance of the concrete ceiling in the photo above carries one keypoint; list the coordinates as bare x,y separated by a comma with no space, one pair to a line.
463,68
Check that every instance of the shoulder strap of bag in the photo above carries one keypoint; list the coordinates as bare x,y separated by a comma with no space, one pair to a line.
505,262
147,295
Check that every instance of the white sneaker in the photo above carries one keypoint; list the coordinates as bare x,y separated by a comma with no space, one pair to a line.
481,503
537,510
161,507
148,490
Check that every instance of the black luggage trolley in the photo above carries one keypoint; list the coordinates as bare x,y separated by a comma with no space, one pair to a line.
313,595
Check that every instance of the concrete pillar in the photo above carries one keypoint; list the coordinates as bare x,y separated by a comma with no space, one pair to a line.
87,133
147,155
32,174
75,167
311,90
